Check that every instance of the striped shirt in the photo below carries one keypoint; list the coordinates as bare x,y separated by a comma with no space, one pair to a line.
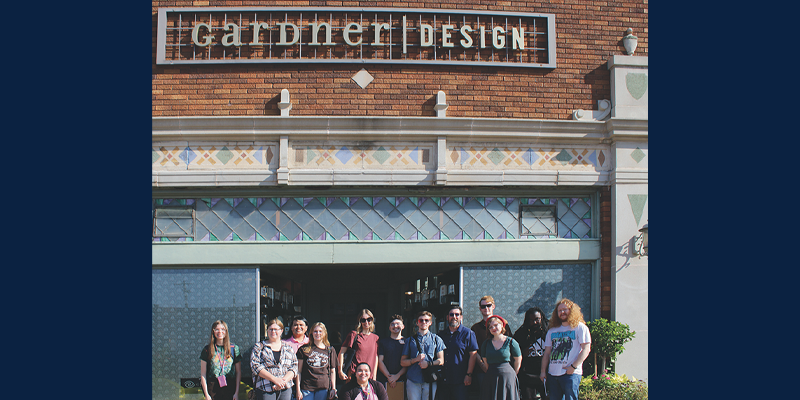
262,358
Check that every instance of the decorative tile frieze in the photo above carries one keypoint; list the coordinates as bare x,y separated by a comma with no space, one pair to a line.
215,155
504,157
355,155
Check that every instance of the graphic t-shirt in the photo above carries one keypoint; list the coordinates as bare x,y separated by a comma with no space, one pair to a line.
532,344
317,364
566,343
217,364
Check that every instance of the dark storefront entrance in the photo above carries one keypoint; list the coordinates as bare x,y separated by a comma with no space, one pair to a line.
337,295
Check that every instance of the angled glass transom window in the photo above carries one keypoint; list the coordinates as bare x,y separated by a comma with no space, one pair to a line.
373,218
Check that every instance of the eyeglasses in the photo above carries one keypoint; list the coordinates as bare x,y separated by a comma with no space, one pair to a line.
366,319
425,321
486,305
452,314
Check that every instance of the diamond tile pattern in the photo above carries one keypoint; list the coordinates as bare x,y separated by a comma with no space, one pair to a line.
379,218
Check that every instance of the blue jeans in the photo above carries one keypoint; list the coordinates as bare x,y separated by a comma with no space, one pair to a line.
318,395
563,386
420,391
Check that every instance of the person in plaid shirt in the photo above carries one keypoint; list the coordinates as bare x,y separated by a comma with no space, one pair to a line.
274,365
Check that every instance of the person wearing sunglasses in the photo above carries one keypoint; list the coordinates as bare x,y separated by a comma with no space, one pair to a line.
364,342
430,351
461,346
486,305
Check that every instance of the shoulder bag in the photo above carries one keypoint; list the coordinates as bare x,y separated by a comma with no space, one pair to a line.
349,356
434,372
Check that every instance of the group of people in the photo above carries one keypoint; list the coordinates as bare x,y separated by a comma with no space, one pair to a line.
541,360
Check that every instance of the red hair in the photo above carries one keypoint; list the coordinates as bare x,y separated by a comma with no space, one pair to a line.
505,323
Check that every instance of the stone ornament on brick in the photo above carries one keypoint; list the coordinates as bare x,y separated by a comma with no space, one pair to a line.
362,78
441,105
285,105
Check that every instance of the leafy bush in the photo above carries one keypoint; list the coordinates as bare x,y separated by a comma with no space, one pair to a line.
612,387
608,338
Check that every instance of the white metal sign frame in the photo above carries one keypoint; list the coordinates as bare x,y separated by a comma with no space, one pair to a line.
161,41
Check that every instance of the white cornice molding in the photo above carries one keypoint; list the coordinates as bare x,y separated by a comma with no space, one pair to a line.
627,129
629,176
267,178
377,128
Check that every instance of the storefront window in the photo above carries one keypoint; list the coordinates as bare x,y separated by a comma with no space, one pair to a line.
516,288
186,302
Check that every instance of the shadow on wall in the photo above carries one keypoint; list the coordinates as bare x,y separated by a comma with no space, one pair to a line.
545,297
626,250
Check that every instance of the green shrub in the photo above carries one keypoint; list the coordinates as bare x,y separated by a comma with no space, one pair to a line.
608,339
612,387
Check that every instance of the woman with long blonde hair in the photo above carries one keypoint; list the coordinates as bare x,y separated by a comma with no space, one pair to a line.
365,344
316,366
220,365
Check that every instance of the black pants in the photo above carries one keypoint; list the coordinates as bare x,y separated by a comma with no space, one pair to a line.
530,386
218,392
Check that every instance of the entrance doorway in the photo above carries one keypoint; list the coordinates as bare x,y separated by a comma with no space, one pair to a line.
335,295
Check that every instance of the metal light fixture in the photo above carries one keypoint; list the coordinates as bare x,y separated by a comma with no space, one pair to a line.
640,242
630,41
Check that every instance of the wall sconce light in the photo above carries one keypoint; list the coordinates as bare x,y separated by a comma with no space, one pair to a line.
640,243
630,41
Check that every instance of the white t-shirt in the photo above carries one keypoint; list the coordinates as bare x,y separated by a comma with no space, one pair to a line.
566,343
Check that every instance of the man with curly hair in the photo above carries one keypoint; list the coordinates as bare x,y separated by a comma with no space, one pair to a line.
566,346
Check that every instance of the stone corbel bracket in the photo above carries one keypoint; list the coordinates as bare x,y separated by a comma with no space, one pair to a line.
441,105
604,110
285,105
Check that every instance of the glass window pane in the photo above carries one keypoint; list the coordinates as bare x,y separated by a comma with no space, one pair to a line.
185,305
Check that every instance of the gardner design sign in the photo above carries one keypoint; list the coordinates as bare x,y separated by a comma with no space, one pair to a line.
355,35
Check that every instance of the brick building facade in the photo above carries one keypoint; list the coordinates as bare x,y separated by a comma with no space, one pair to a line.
300,181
